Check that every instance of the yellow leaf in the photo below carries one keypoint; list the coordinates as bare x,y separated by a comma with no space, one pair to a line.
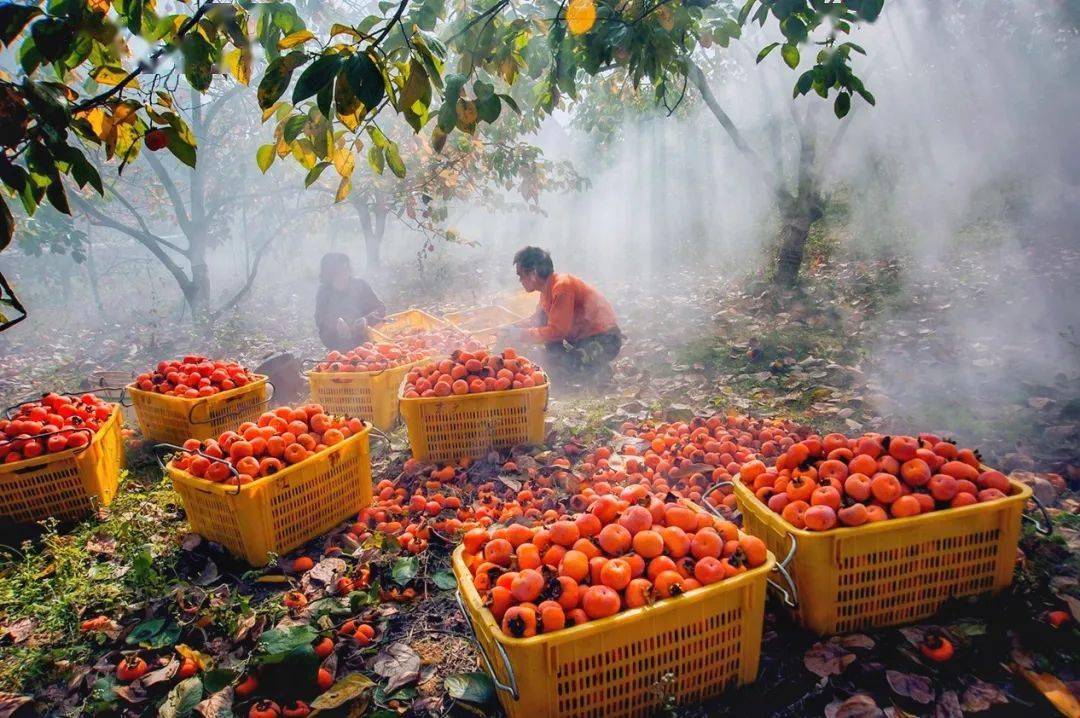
125,112
1055,691
282,147
205,662
304,152
272,578
343,189
99,6
269,111
352,121
242,73
100,122
580,16
112,75
338,29
344,162
296,38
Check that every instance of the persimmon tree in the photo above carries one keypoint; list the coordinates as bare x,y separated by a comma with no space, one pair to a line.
80,83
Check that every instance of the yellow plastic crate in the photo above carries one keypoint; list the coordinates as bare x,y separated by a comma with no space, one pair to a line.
894,571
174,419
448,428
67,485
396,324
688,648
522,303
371,395
483,323
283,511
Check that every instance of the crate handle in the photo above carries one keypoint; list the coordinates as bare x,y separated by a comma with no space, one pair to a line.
381,435
122,398
791,593
74,452
709,507
37,397
158,452
512,688
202,402
1046,530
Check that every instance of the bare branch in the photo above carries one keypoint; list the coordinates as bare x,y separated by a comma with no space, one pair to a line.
242,292
142,223
170,188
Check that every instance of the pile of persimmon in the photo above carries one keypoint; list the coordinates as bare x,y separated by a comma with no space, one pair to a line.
370,356
193,377
56,423
822,483
437,342
474,372
686,458
280,438
444,502
616,555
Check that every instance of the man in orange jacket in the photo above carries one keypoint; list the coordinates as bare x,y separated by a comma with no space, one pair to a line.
573,321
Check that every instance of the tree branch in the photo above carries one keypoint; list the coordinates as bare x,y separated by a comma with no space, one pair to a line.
149,241
767,176
242,292
143,65
142,224
170,188
390,25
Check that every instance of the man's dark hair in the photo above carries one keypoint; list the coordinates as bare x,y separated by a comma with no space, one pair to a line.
536,260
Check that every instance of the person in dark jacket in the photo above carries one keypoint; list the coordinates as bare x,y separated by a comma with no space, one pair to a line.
344,305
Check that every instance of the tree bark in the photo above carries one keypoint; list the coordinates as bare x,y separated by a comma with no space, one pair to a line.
800,213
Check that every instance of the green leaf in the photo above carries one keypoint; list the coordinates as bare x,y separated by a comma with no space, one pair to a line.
13,20
488,108
361,84
277,78
513,105
315,76
842,104
324,99
154,633
790,53
28,56
744,11
313,176
378,137
444,580
180,147
474,687
293,127
350,688
198,61
855,47
7,224
766,50
417,88
804,83
404,569
53,37
870,9
865,94
375,159
279,644
182,699
393,159
264,157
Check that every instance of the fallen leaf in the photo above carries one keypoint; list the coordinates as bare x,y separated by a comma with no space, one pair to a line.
473,687
324,573
101,545
853,640
980,695
399,664
1074,606
218,705
10,703
208,574
948,706
349,688
859,705
134,693
182,699
827,659
19,631
909,685
204,661
161,675
1059,694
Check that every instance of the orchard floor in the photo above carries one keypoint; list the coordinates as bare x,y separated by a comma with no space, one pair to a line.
863,346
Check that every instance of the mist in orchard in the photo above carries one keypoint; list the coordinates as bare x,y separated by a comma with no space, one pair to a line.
969,150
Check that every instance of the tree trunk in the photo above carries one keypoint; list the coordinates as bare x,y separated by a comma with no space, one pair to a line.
92,274
796,228
199,298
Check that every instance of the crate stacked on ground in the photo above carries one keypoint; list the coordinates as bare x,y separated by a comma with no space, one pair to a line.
60,457
405,323
883,530
615,611
472,402
485,323
196,398
364,382
276,483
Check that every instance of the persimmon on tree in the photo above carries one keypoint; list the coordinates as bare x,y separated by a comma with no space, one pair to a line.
80,83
